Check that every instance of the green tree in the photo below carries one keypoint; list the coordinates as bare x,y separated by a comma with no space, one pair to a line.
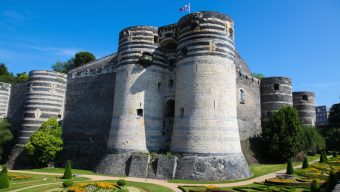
22,77
5,75
283,134
4,182
68,170
82,58
315,187
258,75
5,133
331,181
305,163
290,168
63,67
45,143
332,131
334,116
314,141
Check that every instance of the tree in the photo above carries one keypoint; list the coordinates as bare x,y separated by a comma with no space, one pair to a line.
314,141
45,143
5,133
331,181
63,67
258,75
7,77
323,157
68,170
332,131
315,187
334,116
22,77
4,182
82,58
305,163
290,168
283,134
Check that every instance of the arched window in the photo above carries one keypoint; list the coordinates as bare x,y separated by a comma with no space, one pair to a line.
276,87
242,97
304,97
171,83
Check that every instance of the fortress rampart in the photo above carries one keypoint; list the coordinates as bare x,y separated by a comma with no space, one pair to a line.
180,88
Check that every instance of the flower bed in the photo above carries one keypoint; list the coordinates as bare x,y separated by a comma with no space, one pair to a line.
290,182
15,177
85,187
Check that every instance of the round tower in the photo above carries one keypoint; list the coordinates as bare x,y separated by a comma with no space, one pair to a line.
45,98
275,93
5,92
138,102
304,103
205,129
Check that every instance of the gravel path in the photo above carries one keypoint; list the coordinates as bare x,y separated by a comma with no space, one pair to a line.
165,183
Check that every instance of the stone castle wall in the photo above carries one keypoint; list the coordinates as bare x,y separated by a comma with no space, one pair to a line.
304,103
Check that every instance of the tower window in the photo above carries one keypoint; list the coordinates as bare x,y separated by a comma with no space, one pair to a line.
276,87
242,97
140,112
184,51
159,85
155,38
171,83
231,33
304,97
182,112
59,116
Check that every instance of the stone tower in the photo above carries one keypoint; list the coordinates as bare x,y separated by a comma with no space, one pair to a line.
45,98
205,130
138,102
304,103
275,93
5,91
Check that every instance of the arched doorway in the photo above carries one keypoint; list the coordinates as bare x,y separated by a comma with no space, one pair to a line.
168,122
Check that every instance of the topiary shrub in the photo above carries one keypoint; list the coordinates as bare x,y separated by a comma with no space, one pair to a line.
68,170
335,154
68,183
314,187
121,182
322,157
331,181
325,155
290,169
305,163
4,182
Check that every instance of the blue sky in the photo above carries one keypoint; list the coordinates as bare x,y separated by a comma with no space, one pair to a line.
295,38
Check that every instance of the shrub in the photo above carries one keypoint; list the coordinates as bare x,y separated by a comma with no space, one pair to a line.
335,154
121,182
283,134
68,183
290,169
314,186
331,181
4,182
314,141
322,157
325,155
305,163
68,170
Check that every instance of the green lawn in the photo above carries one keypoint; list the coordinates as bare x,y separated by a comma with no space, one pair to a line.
61,170
36,180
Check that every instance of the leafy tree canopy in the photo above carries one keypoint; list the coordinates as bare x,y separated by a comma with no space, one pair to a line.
46,143
80,58
258,75
283,134
5,133
334,116
8,77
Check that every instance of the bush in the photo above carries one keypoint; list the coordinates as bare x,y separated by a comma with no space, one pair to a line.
314,141
68,183
322,157
332,180
335,154
290,168
4,182
325,155
314,186
68,170
283,134
121,182
305,163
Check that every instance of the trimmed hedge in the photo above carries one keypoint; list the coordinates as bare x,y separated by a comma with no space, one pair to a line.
314,187
290,168
121,182
68,183
4,182
305,163
68,170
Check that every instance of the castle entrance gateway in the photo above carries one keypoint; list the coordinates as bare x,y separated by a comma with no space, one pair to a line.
168,122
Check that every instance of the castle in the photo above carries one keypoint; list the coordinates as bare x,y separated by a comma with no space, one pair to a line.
181,88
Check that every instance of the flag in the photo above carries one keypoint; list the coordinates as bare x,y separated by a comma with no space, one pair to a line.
185,8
